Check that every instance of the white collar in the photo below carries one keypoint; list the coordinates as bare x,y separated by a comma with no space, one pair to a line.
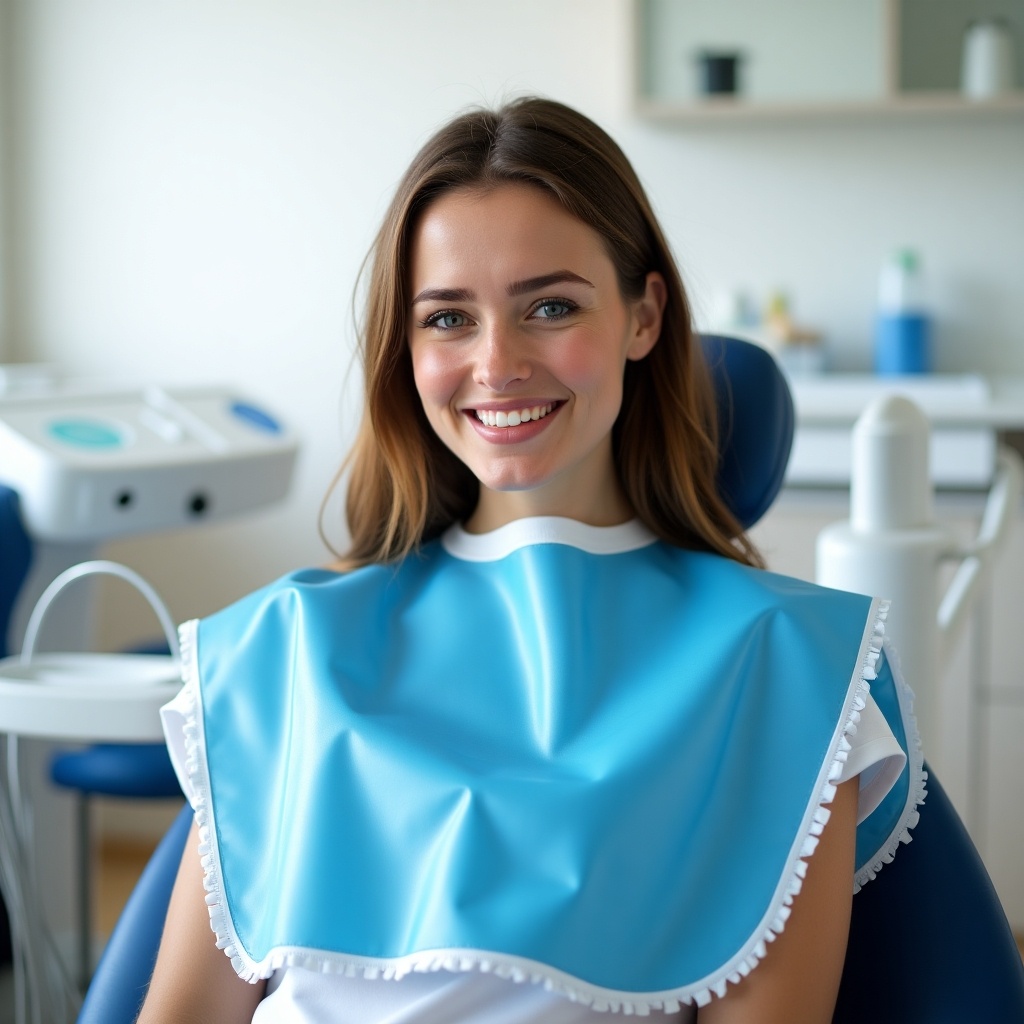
521,533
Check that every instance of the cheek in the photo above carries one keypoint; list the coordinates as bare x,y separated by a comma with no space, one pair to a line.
436,373
591,369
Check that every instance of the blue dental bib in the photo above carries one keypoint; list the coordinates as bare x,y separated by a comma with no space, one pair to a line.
601,767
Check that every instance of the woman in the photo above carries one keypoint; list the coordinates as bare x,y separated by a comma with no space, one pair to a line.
546,742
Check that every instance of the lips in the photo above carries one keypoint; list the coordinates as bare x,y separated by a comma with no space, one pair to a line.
515,425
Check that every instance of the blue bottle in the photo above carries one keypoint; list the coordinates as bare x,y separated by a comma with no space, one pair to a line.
903,327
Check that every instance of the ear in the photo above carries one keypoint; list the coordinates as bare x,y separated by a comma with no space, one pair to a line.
647,315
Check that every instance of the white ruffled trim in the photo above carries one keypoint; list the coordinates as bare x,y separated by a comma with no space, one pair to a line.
520,969
917,788
199,777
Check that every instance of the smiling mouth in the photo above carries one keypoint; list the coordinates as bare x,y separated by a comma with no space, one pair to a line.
513,417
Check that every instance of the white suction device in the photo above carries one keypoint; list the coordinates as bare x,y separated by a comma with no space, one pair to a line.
892,547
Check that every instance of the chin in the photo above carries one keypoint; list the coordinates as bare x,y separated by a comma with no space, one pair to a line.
509,475
505,485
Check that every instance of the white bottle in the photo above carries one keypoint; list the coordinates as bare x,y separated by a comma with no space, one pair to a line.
987,68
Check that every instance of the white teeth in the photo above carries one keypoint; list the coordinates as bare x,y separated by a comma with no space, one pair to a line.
514,417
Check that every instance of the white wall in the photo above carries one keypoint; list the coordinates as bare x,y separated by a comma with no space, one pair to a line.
198,181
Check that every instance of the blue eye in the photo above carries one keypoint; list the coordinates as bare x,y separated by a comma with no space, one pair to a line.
447,320
553,310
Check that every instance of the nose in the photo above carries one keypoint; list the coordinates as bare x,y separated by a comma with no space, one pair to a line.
502,359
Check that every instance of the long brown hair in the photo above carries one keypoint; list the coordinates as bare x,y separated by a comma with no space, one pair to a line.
405,486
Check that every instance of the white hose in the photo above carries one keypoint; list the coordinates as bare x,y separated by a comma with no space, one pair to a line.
98,567
44,991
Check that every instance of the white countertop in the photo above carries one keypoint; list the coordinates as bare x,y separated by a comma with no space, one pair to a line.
966,412
962,400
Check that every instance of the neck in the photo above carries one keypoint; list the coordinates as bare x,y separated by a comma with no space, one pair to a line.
498,508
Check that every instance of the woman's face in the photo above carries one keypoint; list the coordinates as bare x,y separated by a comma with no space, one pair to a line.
519,339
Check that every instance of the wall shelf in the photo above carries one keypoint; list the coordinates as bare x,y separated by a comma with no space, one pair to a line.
845,60
737,111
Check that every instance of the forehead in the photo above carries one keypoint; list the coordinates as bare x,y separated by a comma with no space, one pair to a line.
506,232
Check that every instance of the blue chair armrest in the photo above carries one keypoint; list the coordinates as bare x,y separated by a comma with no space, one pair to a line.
119,985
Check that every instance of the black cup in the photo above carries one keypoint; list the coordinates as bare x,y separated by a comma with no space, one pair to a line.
719,72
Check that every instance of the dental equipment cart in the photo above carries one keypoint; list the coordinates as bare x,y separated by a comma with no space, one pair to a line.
81,464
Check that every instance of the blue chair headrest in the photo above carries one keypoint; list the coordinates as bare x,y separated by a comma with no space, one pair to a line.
755,423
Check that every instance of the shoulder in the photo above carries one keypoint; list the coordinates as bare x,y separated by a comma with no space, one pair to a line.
806,627
313,593
293,586
316,584
724,579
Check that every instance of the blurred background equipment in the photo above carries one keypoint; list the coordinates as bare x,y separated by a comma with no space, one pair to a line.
84,463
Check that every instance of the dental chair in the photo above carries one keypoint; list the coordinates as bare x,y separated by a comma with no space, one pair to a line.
929,942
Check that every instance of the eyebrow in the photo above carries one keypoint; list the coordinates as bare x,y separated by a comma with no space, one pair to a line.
443,295
530,284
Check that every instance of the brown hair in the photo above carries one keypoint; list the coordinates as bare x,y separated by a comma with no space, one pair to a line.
405,486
